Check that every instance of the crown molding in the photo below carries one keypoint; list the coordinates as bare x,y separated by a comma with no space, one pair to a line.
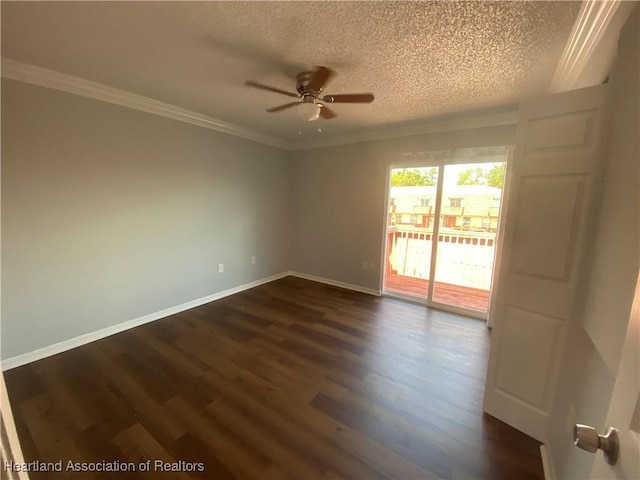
494,119
43,77
592,45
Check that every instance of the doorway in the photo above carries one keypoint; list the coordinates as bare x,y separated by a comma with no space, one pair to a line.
442,224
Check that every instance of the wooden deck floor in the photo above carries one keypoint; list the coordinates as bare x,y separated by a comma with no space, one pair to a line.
472,298
292,379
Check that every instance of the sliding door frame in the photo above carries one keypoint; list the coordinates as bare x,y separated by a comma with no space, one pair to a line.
497,259
429,302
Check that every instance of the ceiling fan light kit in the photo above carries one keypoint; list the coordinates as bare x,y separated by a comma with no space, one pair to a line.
309,86
309,110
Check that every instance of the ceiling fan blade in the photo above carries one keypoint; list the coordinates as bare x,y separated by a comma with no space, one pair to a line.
322,76
282,107
327,113
349,98
250,83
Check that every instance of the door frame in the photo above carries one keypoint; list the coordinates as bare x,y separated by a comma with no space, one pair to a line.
502,216
623,403
10,444
436,227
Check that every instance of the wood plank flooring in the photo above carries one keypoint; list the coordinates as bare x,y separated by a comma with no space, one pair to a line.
289,380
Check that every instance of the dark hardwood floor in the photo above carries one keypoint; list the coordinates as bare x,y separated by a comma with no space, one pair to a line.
292,379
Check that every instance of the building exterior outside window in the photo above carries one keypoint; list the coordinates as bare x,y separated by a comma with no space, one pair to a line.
465,208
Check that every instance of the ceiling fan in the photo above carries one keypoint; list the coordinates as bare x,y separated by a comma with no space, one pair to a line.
309,86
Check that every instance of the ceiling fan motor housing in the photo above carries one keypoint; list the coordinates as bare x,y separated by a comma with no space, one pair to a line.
302,85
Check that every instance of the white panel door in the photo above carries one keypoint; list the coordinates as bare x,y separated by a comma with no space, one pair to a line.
556,172
624,409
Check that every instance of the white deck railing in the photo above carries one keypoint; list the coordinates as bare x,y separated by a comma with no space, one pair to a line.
464,258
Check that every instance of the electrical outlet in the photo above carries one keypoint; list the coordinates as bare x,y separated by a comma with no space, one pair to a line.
365,264
372,266
221,268
253,260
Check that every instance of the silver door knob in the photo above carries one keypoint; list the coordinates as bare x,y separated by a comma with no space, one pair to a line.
587,438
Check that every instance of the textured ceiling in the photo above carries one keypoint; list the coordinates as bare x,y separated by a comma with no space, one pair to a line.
420,59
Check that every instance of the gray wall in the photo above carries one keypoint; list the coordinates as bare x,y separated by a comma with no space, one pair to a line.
339,200
109,214
593,352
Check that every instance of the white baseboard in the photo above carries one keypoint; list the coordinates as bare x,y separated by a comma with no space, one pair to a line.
547,463
65,345
335,283
56,348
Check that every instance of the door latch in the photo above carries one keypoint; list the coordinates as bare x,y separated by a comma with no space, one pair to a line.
587,438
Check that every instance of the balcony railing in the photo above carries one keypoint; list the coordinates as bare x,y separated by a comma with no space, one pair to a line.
421,210
456,211
464,258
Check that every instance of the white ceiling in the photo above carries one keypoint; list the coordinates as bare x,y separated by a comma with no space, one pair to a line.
422,60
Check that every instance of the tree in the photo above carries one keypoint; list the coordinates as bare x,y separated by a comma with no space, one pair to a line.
495,176
472,176
414,178
480,176
431,176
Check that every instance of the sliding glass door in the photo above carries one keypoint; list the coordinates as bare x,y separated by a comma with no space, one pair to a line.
442,223
410,224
